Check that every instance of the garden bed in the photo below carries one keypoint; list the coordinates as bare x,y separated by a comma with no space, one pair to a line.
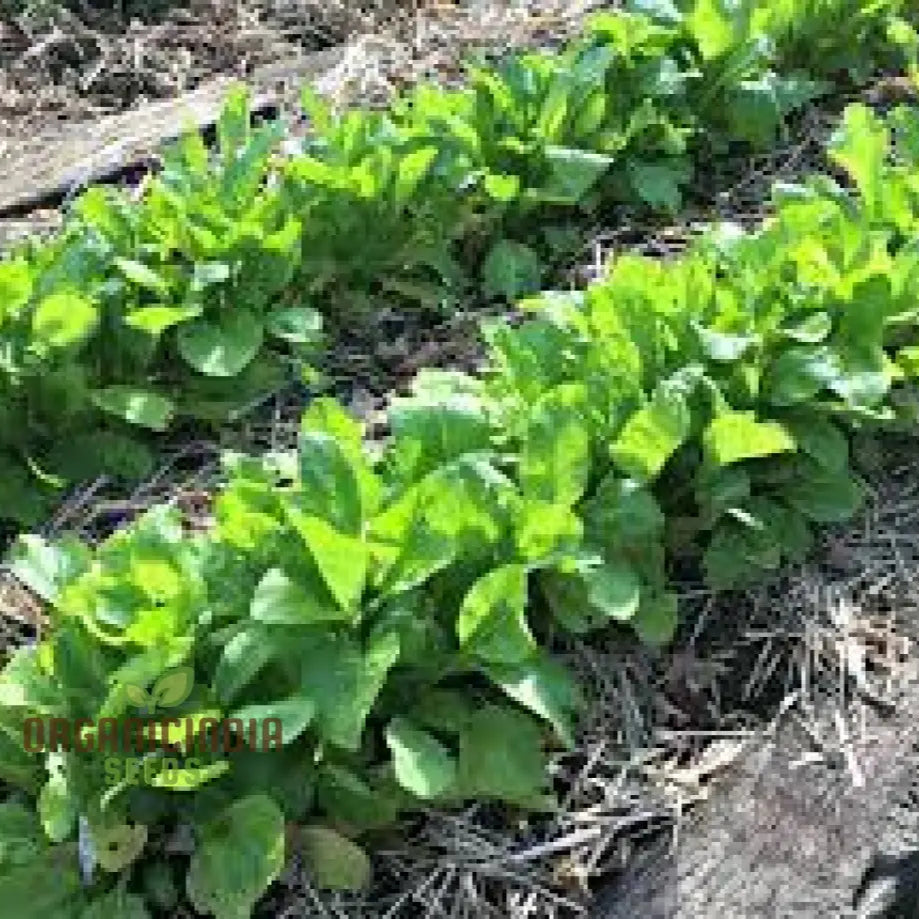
648,745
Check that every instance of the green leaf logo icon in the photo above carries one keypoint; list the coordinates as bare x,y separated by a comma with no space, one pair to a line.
173,688
170,690
138,695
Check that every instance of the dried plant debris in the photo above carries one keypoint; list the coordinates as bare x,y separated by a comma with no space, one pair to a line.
77,60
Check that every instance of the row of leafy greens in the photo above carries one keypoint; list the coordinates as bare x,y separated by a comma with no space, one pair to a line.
212,290
399,607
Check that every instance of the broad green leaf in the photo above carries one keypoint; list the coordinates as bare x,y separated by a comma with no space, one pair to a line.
652,435
573,173
543,686
342,560
280,600
20,835
47,568
623,513
238,855
735,436
592,114
658,184
295,714
460,509
334,467
407,547
222,347
441,421
154,320
711,25
810,331
502,188
860,145
825,496
411,172
136,406
120,456
754,539
26,680
511,270
795,532
333,480
15,287
234,126
492,621
345,796
613,589
300,325
423,764
566,596
656,620
551,119
863,377
48,885
207,274
334,862
820,439
907,360
721,489
63,319
242,657
57,805
116,902
501,756
343,681
142,275
555,459
544,529
799,373
722,346
328,416
755,107
733,560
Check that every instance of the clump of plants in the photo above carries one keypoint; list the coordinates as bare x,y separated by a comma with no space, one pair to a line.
394,612
210,292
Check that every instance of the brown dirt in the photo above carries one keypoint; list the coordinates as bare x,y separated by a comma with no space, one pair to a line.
78,60
73,62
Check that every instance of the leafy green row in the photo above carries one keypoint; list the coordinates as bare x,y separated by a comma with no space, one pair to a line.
396,608
210,291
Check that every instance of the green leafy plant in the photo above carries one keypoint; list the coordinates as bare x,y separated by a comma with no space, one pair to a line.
397,612
139,315
211,290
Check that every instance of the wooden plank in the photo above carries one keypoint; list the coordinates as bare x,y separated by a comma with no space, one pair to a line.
72,154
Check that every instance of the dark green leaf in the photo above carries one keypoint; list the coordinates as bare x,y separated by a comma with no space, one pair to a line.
423,765
221,348
238,855
492,621
511,270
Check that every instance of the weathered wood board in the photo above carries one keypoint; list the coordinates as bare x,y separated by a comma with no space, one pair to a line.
791,837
